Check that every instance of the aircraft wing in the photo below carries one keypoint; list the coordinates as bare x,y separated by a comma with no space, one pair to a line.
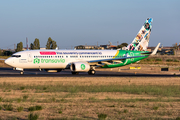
114,59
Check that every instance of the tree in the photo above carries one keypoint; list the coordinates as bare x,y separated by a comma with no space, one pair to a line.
7,53
36,44
0,52
122,45
19,47
51,44
48,45
32,46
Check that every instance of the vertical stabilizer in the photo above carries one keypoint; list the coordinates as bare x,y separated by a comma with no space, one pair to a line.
141,41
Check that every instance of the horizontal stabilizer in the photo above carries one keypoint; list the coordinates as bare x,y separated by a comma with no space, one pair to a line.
146,53
156,49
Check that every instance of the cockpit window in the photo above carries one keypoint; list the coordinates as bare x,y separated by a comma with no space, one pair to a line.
16,56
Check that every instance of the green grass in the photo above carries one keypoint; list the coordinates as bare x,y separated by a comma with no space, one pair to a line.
175,60
169,90
25,97
158,59
32,116
102,116
1,99
22,88
155,108
19,109
8,107
125,111
18,100
169,60
34,108
60,112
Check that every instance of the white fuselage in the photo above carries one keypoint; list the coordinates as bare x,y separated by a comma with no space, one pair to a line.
59,59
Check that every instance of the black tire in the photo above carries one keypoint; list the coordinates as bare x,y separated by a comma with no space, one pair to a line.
21,72
91,72
75,73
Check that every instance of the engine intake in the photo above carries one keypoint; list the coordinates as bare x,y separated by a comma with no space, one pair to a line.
80,67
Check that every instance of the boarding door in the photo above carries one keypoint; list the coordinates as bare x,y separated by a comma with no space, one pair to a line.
29,57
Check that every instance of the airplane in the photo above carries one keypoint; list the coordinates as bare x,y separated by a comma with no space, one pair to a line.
84,60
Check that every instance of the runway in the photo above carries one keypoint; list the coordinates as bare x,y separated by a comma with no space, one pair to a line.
9,72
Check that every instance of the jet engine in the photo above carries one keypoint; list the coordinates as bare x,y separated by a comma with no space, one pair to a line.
80,67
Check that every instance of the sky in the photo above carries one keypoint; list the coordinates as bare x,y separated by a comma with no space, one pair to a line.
87,22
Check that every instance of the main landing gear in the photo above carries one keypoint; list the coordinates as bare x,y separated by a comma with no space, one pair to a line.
91,72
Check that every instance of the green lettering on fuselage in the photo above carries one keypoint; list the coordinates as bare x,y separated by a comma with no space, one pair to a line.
48,61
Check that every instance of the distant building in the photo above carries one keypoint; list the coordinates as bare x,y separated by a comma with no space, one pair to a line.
163,50
42,48
109,46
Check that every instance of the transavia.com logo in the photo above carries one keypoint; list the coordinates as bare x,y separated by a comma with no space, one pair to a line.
83,66
48,61
36,61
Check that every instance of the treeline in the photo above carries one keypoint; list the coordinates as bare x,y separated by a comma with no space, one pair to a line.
122,45
5,53
51,44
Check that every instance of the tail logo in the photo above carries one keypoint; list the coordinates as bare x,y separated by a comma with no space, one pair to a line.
83,66
141,41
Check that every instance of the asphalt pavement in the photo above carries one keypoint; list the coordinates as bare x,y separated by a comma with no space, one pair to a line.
9,72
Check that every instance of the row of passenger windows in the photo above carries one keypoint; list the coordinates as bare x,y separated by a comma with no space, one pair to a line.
48,56
100,56
77,56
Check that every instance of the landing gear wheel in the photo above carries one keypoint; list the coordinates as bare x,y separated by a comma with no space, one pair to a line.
21,72
91,72
75,73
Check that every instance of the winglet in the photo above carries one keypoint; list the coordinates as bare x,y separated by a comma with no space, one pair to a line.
155,50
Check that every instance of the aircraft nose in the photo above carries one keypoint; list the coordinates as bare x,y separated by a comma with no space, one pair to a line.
8,61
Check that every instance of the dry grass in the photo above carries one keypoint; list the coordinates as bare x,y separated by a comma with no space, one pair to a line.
76,103
2,64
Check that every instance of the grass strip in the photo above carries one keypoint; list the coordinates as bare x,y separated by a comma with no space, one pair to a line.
160,90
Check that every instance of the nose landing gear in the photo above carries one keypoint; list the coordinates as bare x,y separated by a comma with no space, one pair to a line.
22,72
